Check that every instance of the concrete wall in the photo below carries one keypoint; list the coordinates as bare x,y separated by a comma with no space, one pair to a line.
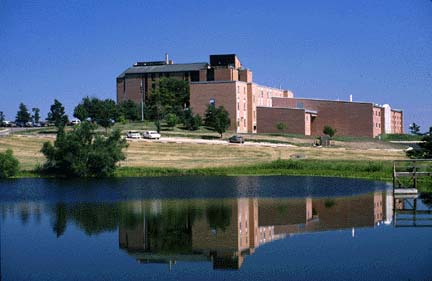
268,117
348,118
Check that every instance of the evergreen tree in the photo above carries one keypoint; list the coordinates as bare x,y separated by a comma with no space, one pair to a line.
36,114
217,119
2,118
23,115
415,129
57,114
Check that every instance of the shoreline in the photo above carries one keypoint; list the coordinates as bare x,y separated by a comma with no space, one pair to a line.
357,169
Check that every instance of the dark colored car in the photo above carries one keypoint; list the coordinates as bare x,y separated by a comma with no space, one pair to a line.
236,139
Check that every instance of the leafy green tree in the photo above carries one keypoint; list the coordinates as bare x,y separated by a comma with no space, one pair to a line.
9,165
171,120
36,114
2,118
103,112
106,113
84,109
23,115
328,130
281,126
82,153
129,110
425,151
57,114
415,129
218,119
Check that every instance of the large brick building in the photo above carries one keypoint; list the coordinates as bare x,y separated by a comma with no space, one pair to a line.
255,108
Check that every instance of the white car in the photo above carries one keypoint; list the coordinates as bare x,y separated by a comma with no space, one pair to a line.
151,135
75,122
133,135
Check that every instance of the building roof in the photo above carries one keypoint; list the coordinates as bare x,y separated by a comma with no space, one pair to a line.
179,67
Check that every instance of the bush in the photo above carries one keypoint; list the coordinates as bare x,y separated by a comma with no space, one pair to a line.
171,120
9,165
82,153
328,130
281,126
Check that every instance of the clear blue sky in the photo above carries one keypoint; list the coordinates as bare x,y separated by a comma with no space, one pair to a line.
378,51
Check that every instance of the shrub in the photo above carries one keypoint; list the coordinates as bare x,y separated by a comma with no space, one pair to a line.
171,120
328,130
9,165
281,126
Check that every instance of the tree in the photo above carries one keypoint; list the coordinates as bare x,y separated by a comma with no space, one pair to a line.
218,119
328,130
2,118
82,153
129,110
171,120
425,148
281,126
23,115
36,114
9,165
415,129
106,113
103,112
57,114
190,121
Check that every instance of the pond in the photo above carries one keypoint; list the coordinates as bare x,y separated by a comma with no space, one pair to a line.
213,228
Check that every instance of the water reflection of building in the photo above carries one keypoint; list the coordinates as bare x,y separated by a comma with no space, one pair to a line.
226,231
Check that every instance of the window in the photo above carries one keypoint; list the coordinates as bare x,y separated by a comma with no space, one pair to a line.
301,106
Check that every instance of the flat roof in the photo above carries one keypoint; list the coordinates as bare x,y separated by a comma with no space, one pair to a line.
179,67
325,100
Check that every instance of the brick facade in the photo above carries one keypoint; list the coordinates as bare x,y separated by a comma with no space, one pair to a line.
269,117
230,85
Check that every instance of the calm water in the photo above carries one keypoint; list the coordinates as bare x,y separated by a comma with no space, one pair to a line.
214,228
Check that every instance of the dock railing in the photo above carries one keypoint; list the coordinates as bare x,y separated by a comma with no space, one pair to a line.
407,172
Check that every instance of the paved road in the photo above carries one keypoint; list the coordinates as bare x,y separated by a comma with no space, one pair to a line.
4,132
202,141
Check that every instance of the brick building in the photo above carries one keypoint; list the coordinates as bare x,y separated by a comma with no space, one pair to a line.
255,108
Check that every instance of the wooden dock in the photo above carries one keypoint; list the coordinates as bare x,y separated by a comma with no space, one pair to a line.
406,173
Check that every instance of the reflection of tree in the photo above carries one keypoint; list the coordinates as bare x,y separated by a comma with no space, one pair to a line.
171,230
426,199
60,219
328,203
95,218
24,210
218,216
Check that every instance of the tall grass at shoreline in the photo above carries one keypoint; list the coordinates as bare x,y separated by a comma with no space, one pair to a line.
377,170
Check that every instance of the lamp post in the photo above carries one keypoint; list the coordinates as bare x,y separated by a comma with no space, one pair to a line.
142,100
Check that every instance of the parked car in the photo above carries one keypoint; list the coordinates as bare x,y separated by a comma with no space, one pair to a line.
37,124
151,135
133,135
75,122
6,123
236,139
